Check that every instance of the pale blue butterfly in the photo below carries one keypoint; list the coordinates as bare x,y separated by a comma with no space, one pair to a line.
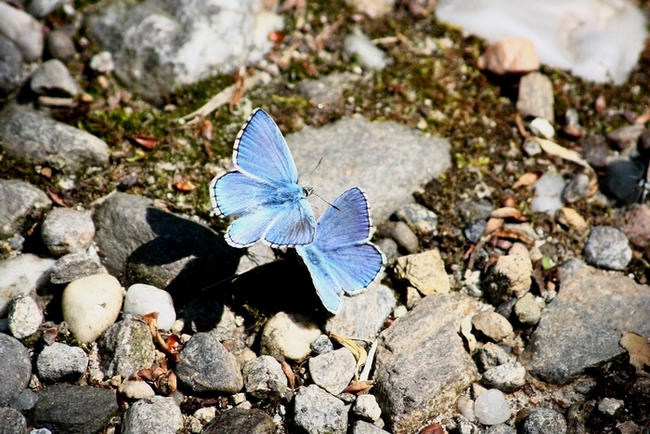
341,259
262,191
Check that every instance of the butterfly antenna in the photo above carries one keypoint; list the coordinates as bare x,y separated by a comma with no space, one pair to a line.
230,278
314,170
329,203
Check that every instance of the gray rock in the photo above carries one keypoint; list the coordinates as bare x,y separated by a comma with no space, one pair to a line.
206,366
68,408
75,266
60,361
67,231
421,219
12,422
527,310
333,371
491,407
102,62
318,412
474,210
422,365
60,45
136,389
143,299
52,78
492,325
387,160
544,421
536,96
16,368
289,335
473,231
154,42
491,355
209,316
598,305
608,247
595,150
22,275
43,8
388,247
508,377
24,316
157,414
29,136
19,203
363,315
366,407
634,222
402,234
143,244
625,138
328,91
510,277
548,194
256,255
501,429
125,348
10,67
322,345
241,420
611,407
24,401
23,30
576,189
368,55
264,378
361,427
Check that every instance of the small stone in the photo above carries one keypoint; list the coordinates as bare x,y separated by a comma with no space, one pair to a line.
501,429
634,222
12,422
548,194
607,247
544,421
510,55
67,231
102,62
424,271
626,137
389,247
527,310
594,150
536,96
318,412
20,202
16,368
156,414
366,407
532,148
11,62
289,335
60,362
142,299
491,355
53,79
491,407
334,370
611,407
465,407
24,401
576,189
23,30
322,345
542,127
256,255
90,305
361,427
421,219
60,45
373,8
413,297
474,210
241,420
264,378
508,377
327,91
136,389
43,8
368,55
24,317
75,266
402,234
474,230
510,277
492,325
125,348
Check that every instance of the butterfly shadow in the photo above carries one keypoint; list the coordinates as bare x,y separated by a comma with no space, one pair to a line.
183,258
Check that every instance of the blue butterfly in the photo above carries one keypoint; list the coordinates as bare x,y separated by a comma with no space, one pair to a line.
263,191
341,258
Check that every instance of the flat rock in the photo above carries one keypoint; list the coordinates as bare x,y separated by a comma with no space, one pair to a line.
536,96
35,139
157,414
75,266
582,326
423,366
16,368
20,202
22,275
387,160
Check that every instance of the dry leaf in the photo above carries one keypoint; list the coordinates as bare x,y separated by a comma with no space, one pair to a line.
506,212
288,372
601,104
147,142
185,186
277,36
356,349
492,225
643,117
56,198
526,179
206,129
638,348
359,386
560,151
433,429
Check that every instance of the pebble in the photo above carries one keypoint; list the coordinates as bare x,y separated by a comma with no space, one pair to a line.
474,210
634,222
24,317
420,218
60,362
542,127
75,266
389,248
361,427
67,231
264,378
368,55
24,401
316,411
65,408
510,55
209,316
333,371
625,138
125,348
611,407
491,355
135,389
576,189
322,345
90,305
12,421
52,78
205,365
594,150
157,414
527,310
531,148
465,407
43,8
474,230
492,325
544,421
424,271
52,143
19,202
22,275
23,30
501,429
607,247
10,67
102,62
289,335
366,407
142,299
510,277
60,45
402,234
536,96
16,368
548,194
241,420
491,407
373,8
508,377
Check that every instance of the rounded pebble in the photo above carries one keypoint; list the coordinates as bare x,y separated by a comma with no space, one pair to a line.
492,325
508,377
474,230
576,189
316,411
67,231
25,317
420,218
366,407
157,414
142,299
10,67
333,371
60,45
53,78
607,247
544,421
289,335
16,368
136,389
12,421
263,377
322,345
548,194
491,407
402,234
527,310
60,361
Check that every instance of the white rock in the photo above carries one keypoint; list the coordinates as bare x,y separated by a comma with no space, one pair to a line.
491,407
22,275
57,361
91,305
133,389
142,299
548,194
289,335
542,127
24,316
368,55
367,408
333,371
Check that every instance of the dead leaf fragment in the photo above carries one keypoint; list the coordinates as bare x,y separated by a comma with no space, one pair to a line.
185,186
147,142
359,386
506,213
526,179
638,348
553,148
357,350
466,331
